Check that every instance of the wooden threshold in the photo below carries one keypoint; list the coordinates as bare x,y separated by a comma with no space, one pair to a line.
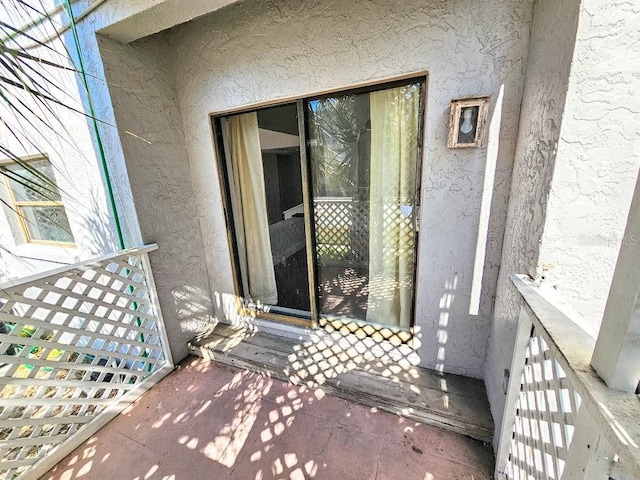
345,367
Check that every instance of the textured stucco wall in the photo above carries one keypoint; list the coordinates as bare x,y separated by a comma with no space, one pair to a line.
598,158
153,144
263,50
547,76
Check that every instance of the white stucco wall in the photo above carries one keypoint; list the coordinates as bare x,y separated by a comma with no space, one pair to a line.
574,119
576,165
547,78
597,159
256,51
69,144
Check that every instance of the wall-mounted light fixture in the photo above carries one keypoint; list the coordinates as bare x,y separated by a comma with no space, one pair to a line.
467,122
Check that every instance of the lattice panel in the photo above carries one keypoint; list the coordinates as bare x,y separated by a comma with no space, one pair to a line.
71,345
545,416
397,230
342,230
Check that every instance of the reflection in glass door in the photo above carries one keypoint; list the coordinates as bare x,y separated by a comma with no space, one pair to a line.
363,155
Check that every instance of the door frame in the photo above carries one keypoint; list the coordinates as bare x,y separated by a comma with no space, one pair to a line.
404,334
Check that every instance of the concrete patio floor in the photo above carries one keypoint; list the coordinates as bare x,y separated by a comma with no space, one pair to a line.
209,421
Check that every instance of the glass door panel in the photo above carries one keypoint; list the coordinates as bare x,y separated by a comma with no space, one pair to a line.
263,165
364,158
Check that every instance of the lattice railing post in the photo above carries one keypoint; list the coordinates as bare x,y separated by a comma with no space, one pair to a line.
590,456
545,414
513,382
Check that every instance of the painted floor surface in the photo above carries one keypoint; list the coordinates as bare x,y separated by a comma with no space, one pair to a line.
208,421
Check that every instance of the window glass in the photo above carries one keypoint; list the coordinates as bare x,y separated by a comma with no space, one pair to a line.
47,224
34,184
266,189
37,202
364,150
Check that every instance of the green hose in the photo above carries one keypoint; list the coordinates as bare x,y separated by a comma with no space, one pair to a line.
96,131
103,159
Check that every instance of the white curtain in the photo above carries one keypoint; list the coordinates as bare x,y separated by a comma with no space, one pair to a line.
394,150
250,208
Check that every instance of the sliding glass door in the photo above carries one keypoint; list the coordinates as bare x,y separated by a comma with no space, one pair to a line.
364,160
266,195
324,227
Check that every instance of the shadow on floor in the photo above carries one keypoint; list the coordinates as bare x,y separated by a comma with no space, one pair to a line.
207,421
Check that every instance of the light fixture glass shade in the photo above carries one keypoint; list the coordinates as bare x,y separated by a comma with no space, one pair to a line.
466,126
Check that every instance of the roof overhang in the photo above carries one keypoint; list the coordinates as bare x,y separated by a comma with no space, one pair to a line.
128,20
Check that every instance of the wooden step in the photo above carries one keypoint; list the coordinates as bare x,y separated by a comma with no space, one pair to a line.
347,369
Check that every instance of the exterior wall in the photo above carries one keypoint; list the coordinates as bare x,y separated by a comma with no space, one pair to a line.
259,50
153,144
69,145
547,77
597,161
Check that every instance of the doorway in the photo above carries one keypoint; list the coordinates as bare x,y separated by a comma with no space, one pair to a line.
321,196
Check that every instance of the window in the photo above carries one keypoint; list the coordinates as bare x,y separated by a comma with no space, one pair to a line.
37,203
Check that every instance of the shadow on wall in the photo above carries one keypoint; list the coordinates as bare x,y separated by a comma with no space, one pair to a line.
207,421
192,307
96,236
442,334
493,211
186,308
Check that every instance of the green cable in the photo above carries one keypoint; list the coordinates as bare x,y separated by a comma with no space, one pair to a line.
103,159
96,131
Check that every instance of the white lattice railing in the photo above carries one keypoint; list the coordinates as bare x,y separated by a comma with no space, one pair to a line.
545,415
76,346
561,421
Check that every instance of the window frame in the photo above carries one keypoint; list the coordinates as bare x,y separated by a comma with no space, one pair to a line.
19,204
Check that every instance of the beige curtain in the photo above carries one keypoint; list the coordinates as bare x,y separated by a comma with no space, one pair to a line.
394,150
254,244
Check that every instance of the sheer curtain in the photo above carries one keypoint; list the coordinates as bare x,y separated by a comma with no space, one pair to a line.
394,150
254,248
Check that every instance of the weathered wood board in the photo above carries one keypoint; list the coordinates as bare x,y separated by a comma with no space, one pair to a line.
451,402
